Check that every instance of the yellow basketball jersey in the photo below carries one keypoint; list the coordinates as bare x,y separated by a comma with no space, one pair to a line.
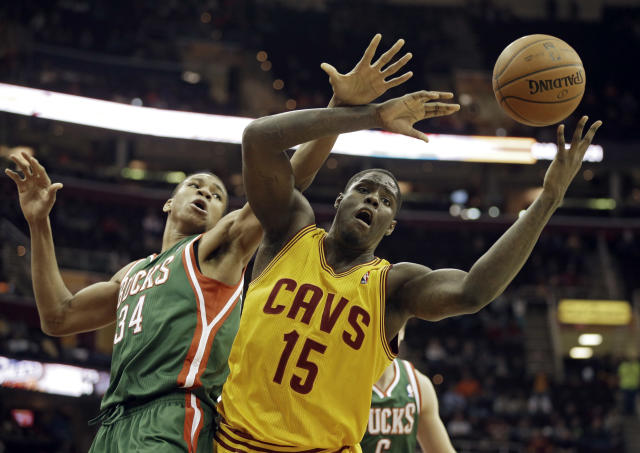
310,346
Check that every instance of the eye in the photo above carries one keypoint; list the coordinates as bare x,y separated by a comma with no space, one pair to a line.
386,201
217,197
361,189
193,184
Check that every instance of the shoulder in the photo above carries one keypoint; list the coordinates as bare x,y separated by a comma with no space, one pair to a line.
402,273
421,379
295,245
301,236
299,216
242,223
233,217
118,276
232,226
427,392
408,270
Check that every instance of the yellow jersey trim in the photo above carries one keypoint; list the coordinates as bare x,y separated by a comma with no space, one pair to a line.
383,301
327,267
290,243
236,441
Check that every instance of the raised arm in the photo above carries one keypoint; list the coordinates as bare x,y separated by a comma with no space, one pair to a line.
432,435
416,290
268,177
367,81
61,312
364,83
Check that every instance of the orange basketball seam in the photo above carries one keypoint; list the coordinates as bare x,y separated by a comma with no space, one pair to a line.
526,121
542,102
496,77
540,70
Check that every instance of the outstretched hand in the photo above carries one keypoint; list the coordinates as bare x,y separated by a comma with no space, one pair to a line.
567,162
367,80
37,194
400,114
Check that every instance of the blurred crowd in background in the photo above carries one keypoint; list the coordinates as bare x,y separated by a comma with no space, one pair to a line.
204,56
258,57
486,394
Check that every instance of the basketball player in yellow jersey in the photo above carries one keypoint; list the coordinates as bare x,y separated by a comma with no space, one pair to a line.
321,316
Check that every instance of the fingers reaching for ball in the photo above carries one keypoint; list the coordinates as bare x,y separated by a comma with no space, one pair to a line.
434,109
579,143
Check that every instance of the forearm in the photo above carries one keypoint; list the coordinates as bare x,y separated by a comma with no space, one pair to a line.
48,287
310,156
491,274
274,134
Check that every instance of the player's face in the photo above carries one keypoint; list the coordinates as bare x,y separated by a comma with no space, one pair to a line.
199,203
366,210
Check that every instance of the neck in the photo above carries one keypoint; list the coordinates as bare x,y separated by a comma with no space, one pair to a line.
386,378
341,254
171,235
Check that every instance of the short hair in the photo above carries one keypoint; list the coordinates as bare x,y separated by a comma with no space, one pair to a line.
360,174
203,172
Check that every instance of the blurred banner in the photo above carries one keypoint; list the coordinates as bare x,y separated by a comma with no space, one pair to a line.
228,129
55,378
596,312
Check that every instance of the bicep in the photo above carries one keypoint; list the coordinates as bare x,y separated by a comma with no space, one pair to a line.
90,308
432,294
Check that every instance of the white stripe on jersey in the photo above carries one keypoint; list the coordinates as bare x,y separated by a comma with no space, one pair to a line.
414,383
206,328
196,419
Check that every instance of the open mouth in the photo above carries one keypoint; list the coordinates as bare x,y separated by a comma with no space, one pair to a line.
200,205
364,216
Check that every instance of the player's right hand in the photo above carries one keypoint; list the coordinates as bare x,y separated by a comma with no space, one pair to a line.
567,162
366,81
400,114
37,194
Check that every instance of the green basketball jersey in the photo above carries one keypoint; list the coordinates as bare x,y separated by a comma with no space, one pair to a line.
174,330
393,417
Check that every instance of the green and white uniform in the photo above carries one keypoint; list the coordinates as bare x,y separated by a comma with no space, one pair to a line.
394,413
174,331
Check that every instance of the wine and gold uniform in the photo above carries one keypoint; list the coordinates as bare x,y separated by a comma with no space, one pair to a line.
310,346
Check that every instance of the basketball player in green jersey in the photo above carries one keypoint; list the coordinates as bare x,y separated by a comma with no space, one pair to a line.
404,409
177,312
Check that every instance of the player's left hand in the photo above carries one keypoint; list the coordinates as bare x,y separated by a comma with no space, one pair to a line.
567,162
367,81
400,114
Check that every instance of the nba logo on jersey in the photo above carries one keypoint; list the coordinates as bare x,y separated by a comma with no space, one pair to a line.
409,391
365,278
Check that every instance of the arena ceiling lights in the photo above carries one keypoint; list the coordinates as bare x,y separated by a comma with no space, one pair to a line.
228,129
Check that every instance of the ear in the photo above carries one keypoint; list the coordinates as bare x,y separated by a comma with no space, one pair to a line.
391,227
167,205
338,200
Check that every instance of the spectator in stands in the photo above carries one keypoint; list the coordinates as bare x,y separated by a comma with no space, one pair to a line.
629,382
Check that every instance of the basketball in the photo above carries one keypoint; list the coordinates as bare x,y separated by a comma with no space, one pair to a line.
538,80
